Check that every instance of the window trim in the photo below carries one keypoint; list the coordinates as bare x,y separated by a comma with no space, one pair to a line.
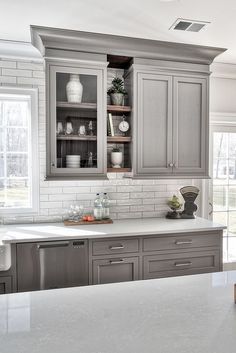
220,122
33,93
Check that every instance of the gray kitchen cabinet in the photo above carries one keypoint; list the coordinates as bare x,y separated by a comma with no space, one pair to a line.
190,126
154,124
75,131
188,263
118,269
5,284
170,119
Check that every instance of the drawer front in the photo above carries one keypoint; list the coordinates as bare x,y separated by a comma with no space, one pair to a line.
115,270
156,266
115,246
181,241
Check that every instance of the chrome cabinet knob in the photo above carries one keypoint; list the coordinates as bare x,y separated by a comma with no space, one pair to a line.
171,165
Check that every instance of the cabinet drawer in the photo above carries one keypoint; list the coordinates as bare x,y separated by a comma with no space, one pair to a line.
115,246
181,241
156,266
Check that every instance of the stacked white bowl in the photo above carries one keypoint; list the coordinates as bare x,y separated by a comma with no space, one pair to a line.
73,161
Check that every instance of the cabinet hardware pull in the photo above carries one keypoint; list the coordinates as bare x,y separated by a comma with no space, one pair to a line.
171,165
116,261
189,263
183,242
53,245
116,247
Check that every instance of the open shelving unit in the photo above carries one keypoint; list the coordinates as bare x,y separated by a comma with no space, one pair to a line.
116,68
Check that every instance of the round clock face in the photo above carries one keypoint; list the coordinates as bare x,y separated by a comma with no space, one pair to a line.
124,126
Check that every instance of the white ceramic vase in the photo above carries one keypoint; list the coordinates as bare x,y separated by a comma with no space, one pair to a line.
116,159
74,89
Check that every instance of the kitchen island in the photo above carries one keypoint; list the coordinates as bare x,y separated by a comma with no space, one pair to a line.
46,256
189,314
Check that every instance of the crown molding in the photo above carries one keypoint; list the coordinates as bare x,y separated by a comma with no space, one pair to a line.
19,51
45,37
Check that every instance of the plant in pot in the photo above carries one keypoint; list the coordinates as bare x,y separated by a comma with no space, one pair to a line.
175,205
116,157
117,91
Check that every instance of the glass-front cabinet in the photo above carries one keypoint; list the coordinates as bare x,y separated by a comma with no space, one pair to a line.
76,120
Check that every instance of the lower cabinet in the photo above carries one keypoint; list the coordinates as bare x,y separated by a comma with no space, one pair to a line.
156,266
5,285
112,270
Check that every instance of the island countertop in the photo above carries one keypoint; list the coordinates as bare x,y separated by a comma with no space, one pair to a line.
181,314
128,227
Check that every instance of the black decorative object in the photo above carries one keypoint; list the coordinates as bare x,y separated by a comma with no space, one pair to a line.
189,194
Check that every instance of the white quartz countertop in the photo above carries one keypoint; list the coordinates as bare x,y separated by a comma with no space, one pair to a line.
129,227
189,314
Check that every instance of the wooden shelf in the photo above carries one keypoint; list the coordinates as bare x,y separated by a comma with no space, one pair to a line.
77,138
119,108
118,139
118,170
78,106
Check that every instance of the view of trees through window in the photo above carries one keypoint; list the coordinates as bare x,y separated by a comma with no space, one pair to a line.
15,178
224,188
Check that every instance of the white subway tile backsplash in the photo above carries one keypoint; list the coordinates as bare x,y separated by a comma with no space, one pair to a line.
130,198
8,79
129,188
76,190
8,64
16,72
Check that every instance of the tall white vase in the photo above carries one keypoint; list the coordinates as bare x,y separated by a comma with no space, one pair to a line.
74,89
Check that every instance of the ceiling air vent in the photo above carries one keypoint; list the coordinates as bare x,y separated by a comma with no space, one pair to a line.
188,25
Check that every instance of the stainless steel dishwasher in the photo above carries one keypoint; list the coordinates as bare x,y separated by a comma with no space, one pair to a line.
48,265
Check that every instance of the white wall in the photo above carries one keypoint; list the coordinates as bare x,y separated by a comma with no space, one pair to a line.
130,198
223,88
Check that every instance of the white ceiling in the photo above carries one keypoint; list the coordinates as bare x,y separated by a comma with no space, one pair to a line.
136,18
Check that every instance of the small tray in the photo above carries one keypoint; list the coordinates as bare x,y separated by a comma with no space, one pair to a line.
81,223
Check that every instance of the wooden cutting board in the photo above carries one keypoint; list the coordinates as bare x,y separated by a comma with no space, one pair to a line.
81,223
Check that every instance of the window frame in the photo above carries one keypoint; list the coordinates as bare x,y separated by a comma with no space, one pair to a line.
33,93
220,122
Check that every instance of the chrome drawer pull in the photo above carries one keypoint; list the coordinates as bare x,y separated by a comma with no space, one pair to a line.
184,242
119,247
116,261
182,264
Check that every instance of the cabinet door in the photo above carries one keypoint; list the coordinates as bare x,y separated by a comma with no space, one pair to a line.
115,270
5,285
154,124
190,126
76,126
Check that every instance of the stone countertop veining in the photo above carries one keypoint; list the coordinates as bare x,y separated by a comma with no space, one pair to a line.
179,314
128,227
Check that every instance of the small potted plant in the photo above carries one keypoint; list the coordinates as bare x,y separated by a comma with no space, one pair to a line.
175,205
117,91
116,157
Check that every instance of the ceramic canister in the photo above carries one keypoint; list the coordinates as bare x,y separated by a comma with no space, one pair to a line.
74,89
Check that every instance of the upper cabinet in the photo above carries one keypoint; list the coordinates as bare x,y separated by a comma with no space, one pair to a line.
190,126
76,126
160,129
171,120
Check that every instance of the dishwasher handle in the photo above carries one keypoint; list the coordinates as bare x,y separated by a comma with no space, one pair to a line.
53,245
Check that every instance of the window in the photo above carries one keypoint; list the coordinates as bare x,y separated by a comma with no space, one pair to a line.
224,187
18,150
